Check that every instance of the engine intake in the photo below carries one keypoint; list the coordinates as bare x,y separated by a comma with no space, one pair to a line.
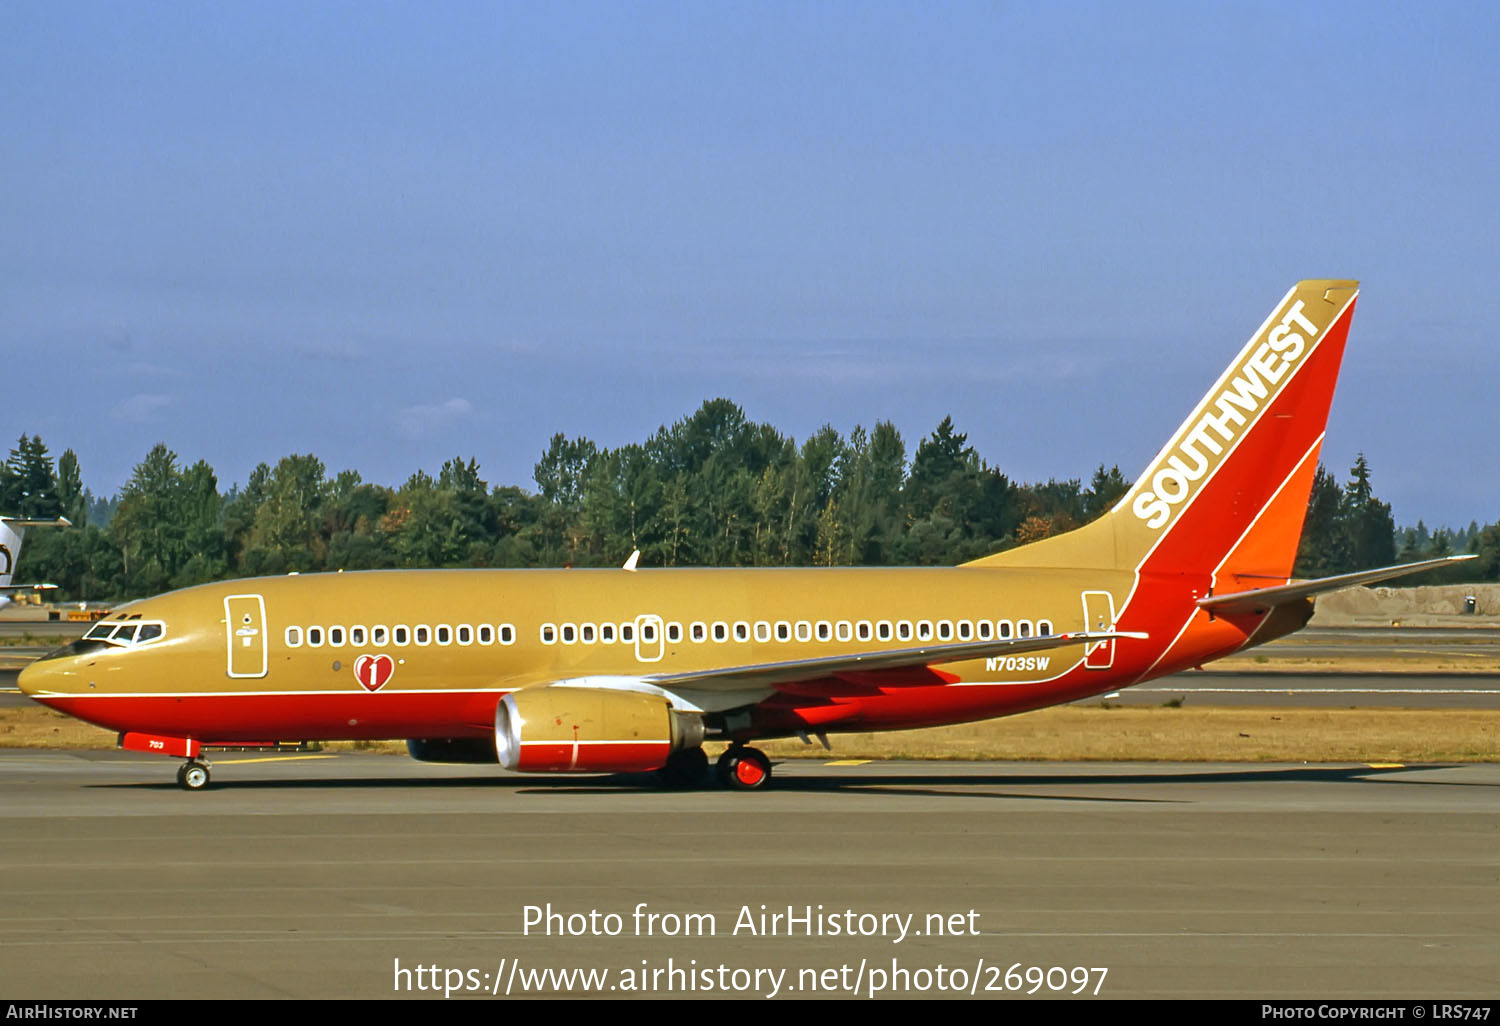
559,729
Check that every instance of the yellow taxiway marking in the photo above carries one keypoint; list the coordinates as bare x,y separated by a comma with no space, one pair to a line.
849,762
271,758
1386,765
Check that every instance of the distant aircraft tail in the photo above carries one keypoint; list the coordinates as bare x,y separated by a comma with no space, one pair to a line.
12,529
1224,500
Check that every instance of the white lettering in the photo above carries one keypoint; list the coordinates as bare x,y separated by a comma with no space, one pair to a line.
1151,509
1248,392
1245,394
1025,664
1272,372
1286,342
1200,462
1295,314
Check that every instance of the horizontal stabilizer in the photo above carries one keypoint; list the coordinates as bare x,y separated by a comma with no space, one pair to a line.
772,674
27,587
1261,599
28,522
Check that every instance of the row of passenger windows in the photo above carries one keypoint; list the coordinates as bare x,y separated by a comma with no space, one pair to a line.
800,630
401,634
698,632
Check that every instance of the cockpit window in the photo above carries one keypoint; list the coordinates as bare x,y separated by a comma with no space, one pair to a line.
125,635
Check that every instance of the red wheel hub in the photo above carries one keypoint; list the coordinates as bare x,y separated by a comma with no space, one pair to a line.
749,772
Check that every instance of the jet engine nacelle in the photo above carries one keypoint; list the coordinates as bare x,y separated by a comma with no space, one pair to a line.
452,749
560,729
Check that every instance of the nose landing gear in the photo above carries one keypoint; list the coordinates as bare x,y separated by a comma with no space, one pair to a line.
192,775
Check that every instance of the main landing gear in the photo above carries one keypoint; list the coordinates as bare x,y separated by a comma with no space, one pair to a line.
739,768
686,767
192,775
743,769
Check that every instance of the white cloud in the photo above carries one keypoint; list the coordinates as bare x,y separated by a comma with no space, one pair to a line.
141,408
420,421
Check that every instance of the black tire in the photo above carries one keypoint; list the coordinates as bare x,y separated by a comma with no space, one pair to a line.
744,769
192,776
686,767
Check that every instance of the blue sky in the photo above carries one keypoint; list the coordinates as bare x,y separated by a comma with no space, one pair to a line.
394,233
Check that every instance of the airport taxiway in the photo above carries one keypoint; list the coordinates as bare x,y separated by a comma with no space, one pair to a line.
310,876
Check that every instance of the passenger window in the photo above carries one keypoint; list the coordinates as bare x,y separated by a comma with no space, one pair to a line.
315,637
863,630
883,630
721,631
1044,626
401,635
422,634
648,631
378,635
586,633
507,634
357,635
986,630
783,630
569,634
549,634
698,632
944,630
843,630
903,630
336,637
443,634
627,633
965,630
486,634
1002,628
465,634
762,630
924,630
804,630
293,637
741,631
607,633
1023,628
674,632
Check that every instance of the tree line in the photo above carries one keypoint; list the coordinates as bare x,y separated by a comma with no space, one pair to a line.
713,489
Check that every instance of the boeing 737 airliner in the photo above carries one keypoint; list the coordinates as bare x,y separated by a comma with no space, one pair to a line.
631,670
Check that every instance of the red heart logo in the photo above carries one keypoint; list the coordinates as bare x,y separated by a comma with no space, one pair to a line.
372,672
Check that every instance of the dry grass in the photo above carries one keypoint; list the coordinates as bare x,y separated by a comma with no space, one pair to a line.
33,726
1064,733
1285,661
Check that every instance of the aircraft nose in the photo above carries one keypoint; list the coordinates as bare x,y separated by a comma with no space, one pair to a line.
39,679
30,680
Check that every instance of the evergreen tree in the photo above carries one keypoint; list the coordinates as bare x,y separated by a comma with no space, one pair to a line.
1324,549
1371,529
28,485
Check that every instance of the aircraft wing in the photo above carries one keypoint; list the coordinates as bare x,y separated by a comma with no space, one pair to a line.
770,675
33,522
27,587
1259,600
